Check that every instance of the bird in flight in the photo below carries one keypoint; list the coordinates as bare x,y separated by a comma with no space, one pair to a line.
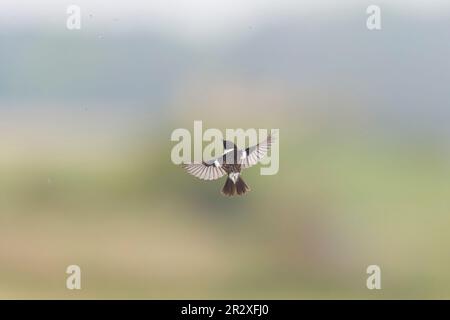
231,163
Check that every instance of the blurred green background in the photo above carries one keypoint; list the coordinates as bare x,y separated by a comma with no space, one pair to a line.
85,170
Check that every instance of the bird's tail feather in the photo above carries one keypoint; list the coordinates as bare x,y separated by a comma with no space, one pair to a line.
230,188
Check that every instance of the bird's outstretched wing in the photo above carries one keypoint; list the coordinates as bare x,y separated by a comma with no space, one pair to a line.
256,153
207,170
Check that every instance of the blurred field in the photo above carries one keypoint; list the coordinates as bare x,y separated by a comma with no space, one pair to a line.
140,227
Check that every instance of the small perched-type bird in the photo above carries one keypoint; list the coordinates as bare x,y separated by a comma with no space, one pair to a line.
231,163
